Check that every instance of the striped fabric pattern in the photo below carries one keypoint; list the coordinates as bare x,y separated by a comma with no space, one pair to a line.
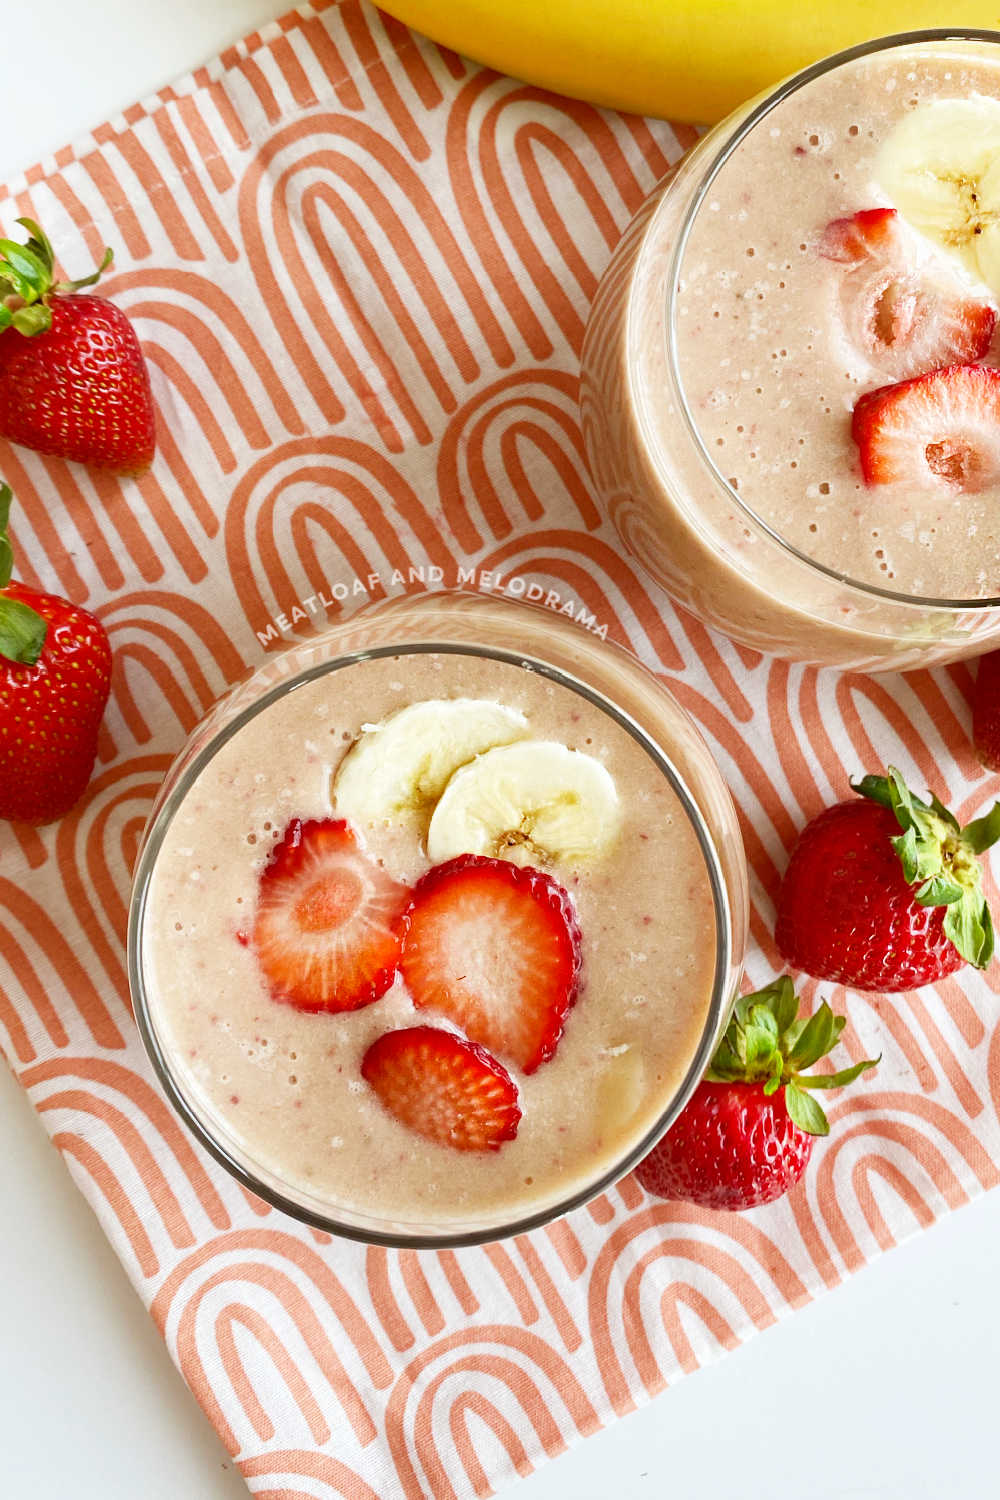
361,269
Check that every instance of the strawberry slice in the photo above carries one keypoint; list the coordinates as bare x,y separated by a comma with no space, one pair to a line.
328,925
444,1087
868,235
904,307
939,430
495,948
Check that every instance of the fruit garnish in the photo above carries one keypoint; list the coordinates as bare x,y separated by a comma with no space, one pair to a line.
940,165
747,1132
444,1087
496,949
884,891
73,379
327,928
986,711
940,430
55,677
903,306
402,765
868,235
532,802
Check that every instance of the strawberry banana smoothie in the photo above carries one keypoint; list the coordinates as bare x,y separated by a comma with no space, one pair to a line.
791,394
430,939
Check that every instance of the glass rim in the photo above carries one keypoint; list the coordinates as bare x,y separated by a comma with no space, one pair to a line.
756,116
424,1237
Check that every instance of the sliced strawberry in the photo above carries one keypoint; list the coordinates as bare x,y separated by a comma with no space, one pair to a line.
444,1087
939,430
867,235
328,925
904,307
496,949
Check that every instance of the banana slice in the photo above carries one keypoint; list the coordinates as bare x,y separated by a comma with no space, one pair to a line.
532,803
941,168
400,767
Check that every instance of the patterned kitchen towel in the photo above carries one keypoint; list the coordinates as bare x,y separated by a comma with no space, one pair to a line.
361,269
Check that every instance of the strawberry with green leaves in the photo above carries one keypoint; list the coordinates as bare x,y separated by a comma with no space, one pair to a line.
55,676
73,379
884,891
746,1134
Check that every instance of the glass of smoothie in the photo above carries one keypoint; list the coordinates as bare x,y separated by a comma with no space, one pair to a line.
436,921
790,395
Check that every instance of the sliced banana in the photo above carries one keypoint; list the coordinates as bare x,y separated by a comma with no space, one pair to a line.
399,768
621,1092
940,166
532,802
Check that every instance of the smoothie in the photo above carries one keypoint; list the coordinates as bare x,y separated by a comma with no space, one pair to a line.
841,244
294,1092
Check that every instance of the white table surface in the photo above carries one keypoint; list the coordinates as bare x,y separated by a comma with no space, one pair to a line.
883,1390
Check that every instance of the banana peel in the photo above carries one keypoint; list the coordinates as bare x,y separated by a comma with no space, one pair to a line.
693,60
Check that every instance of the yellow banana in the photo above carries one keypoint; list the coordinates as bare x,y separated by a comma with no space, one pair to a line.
681,59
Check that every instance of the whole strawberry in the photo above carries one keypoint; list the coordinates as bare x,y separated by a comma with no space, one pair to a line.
55,676
746,1134
73,379
884,891
986,711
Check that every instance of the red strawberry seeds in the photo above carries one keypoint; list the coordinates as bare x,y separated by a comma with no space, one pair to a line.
496,949
903,307
940,430
327,929
444,1087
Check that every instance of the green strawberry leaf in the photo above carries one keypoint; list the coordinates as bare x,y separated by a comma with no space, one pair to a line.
876,789
986,920
784,1001
969,926
767,1043
763,1017
39,244
760,1046
906,847
741,1010
838,1080
6,550
25,269
804,1110
777,1077
982,833
82,281
814,1041
940,858
725,1065
944,814
939,891
22,631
